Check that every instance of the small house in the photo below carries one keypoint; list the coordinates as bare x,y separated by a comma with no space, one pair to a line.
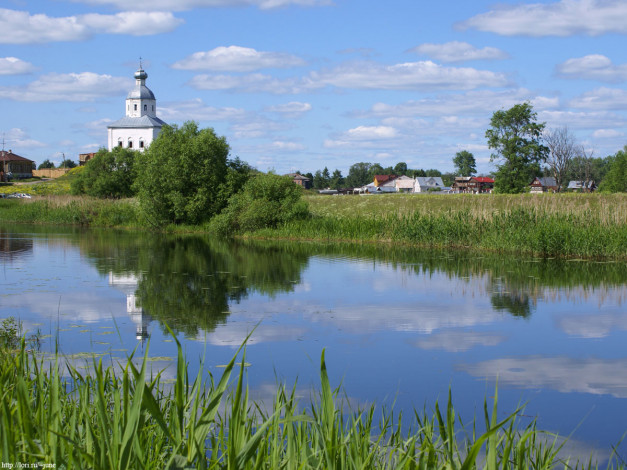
543,185
460,185
404,184
429,184
13,166
581,186
480,184
300,180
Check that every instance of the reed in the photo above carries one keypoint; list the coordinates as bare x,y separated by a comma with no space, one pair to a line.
127,419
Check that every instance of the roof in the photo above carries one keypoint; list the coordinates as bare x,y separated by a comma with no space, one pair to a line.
430,181
483,179
11,157
545,181
579,184
297,176
140,92
384,178
143,121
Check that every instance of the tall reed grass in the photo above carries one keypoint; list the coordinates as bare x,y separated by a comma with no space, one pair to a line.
129,420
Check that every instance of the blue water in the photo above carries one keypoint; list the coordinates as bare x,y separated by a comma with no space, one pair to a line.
398,326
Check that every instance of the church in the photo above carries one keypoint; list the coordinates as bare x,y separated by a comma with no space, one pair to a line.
141,125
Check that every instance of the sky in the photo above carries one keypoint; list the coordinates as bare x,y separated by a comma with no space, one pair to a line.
297,85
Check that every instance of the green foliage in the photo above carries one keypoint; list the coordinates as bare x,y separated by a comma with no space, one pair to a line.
182,177
337,180
465,164
45,165
616,178
516,138
10,332
108,174
266,200
67,163
358,175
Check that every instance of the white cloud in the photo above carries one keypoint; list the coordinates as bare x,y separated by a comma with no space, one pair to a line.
593,67
199,111
291,109
283,146
423,76
564,374
14,66
593,326
85,86
607,134
237,59
457,51
602,98
178,5
458,341
563,18
371,133
20,27
19,138
581,120
483,102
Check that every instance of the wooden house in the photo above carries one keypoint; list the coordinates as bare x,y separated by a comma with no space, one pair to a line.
13,166
543,184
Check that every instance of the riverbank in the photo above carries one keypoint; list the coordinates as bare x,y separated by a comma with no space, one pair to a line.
570,225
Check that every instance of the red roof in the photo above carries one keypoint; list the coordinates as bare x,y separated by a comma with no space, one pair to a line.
11,157
384,178
484,179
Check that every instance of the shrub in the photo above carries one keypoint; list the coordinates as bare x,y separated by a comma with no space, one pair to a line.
107,175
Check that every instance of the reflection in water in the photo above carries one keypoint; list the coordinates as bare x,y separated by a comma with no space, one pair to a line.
128,284
12,247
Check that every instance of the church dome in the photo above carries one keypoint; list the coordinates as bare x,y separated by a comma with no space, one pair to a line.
141,91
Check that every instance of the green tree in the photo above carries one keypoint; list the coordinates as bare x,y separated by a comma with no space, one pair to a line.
108,174
465,164
266,200
358,175
433,172
67,163
337,180
516,138
400,168
375,169
182,177
45,165
616,178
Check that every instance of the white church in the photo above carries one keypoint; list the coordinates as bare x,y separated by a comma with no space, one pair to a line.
141,125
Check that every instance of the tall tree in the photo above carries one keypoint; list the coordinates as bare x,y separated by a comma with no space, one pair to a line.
616,178
516,138
45,165
337,181
358,175
562,149
465,164
400,168
182,175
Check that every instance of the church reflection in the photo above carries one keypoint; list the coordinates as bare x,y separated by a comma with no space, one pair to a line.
128,283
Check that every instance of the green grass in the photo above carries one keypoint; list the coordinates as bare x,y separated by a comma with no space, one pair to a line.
129,419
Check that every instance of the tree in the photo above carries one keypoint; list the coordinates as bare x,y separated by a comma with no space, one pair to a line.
182,177
516,138
562,149
266,200
400,168
67,163
337,181
433,172
45,165
616,178
108,174
358,175
465,164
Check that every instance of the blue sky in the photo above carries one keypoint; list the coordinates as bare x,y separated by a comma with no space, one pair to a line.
304,84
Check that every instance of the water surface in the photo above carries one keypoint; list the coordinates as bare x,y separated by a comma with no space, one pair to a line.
398,325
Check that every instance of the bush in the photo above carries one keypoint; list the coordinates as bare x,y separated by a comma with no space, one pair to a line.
107,175
182,177
265,201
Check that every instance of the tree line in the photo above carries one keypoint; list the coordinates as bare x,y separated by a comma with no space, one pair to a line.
522,149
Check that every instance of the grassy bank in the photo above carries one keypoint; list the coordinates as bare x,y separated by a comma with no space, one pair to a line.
572,225
122,418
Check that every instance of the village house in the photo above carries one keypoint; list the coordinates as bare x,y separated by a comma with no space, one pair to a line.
429,183
460,185
581,186
300,180
543,185
13,166
83,158
480,184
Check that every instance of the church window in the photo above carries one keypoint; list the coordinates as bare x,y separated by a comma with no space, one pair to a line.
141,144
130,143
153,108
135,107
119,142
145,107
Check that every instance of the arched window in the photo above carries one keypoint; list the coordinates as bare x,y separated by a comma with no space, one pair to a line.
145,107
120,143
135,107
153,108
141,144
130,143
